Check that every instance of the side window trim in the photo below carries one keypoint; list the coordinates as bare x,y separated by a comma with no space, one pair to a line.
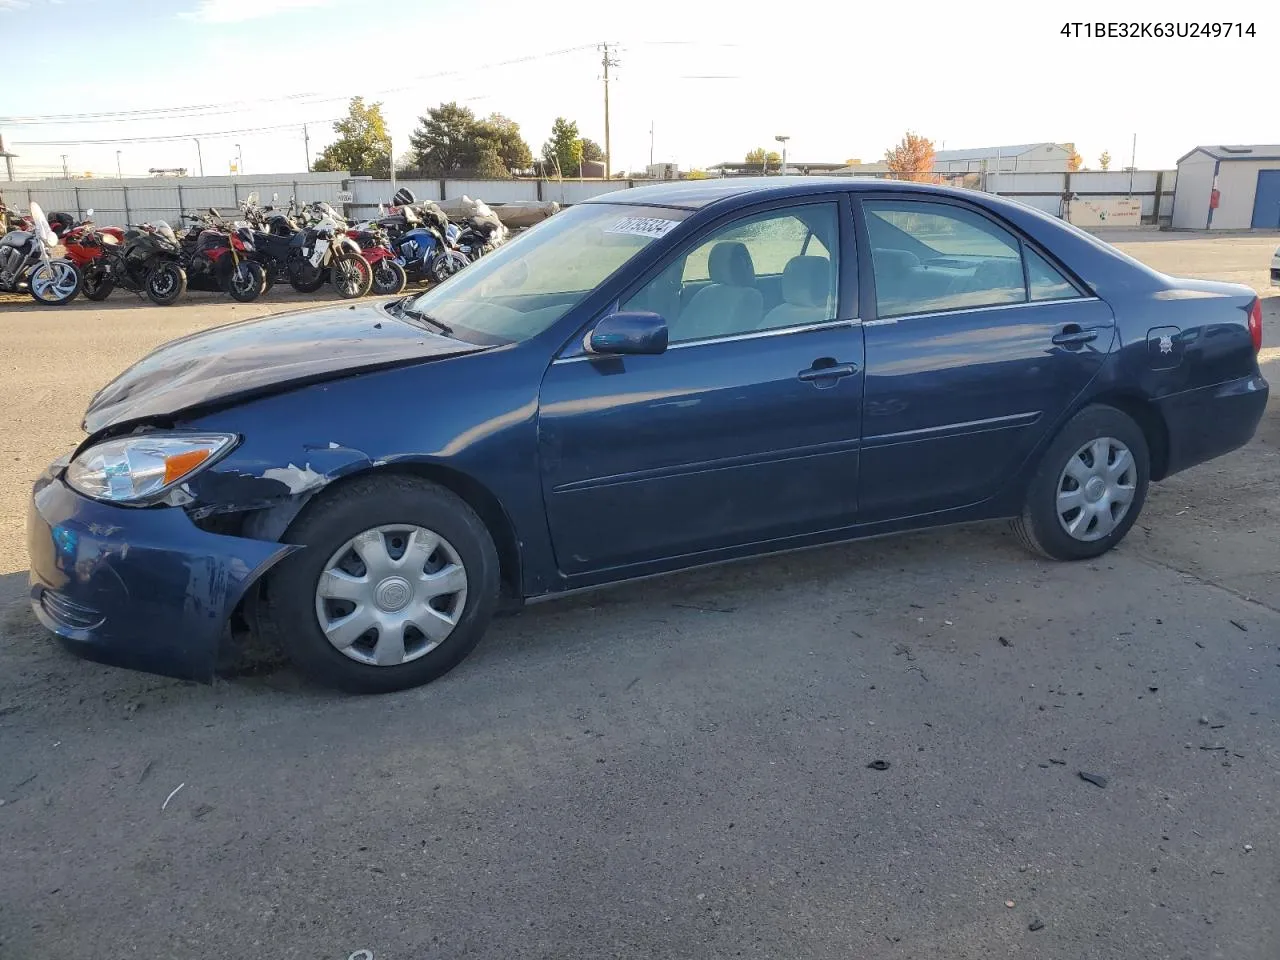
868,306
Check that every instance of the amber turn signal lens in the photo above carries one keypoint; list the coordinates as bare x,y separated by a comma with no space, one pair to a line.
180,464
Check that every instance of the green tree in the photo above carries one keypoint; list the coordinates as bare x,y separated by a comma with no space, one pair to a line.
564,149
363,146
451,141
503,134
591,150
766,160
444,144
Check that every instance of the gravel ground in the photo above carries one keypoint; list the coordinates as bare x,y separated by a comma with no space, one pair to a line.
680,768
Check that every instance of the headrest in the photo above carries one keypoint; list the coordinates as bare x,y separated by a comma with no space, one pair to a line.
730,263
1002,272
891,259
806,281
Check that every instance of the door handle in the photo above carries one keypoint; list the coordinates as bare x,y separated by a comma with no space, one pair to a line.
828,371
1074,336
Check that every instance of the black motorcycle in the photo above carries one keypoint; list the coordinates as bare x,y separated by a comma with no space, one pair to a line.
478,236
148,261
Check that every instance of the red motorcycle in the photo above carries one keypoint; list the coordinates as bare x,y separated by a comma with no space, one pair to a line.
86,243
218,258
388,273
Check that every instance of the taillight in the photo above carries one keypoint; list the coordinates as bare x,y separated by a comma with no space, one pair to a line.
1255,324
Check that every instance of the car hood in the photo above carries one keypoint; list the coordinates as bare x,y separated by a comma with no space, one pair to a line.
266,355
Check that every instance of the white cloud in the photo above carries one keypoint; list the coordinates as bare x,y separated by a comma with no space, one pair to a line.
9,6
237,11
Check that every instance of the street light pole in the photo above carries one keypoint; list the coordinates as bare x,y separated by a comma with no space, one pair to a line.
239,160
199,155
119,175
783,140
64,165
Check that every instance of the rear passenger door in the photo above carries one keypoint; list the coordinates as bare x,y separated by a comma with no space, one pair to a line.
976,344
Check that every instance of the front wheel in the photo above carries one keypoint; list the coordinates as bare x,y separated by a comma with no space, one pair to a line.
352,276
1089,487
397,583
246,282
54,283
166,282
445,265
388,277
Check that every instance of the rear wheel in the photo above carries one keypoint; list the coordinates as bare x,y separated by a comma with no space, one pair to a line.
352,276
388,277
398,582
1089,488
97,286
305,276
166,282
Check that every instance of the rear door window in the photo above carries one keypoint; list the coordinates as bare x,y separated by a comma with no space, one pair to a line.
930,257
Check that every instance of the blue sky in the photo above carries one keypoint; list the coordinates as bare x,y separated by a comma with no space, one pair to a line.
843,81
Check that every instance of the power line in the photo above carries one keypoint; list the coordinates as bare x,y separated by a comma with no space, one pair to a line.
216,109
172,136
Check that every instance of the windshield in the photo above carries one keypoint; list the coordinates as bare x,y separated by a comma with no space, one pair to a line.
529,283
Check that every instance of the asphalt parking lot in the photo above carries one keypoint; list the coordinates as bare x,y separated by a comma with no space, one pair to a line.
680,768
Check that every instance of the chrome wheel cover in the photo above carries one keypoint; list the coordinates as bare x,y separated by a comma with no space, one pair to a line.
391,594
1096,489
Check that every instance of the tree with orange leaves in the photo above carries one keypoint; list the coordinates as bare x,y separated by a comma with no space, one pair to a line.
1074,160
911,159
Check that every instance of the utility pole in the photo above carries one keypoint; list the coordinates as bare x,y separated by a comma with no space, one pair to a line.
199,155
119,175
1133,163
651,143
306,145
391,155
607,61
8,160
65,175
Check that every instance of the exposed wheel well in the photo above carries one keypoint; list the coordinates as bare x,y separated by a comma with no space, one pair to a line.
1147,416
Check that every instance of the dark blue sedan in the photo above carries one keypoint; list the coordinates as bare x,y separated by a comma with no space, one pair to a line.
660,378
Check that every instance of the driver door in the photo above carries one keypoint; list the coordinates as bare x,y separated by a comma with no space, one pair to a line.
745,431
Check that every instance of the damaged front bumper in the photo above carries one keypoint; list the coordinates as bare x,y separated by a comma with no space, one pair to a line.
143,588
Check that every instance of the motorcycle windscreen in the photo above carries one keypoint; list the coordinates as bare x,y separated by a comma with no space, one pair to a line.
41,226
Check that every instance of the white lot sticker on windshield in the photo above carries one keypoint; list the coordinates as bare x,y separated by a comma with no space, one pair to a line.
652,227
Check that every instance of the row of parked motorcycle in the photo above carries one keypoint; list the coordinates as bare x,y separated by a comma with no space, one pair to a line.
305,246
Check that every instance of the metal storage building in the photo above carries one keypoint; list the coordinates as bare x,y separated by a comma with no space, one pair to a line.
1228,188
1021,157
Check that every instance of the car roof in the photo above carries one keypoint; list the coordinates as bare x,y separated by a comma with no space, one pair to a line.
695,194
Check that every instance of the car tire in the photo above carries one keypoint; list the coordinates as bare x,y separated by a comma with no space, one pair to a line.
291,606
1069,473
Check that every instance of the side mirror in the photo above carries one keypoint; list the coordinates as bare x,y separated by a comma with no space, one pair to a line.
627,333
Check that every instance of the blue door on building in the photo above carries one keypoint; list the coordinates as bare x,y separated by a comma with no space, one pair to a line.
1266,200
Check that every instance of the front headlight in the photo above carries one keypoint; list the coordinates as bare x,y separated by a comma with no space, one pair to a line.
134,469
